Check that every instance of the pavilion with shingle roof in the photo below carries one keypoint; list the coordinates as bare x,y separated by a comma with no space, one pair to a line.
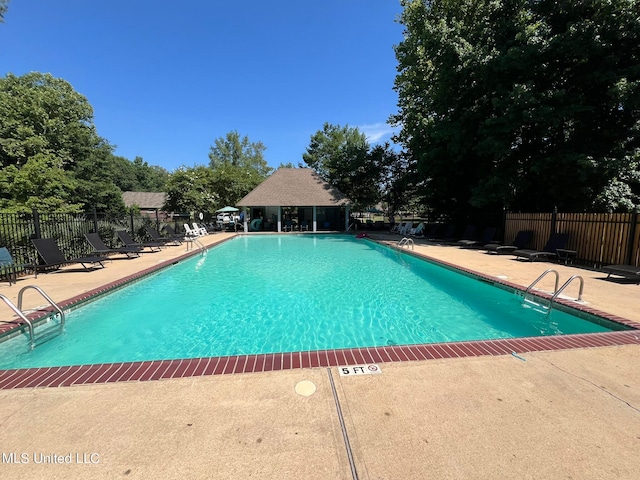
298,197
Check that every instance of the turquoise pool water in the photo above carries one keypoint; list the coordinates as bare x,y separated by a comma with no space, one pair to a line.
280,293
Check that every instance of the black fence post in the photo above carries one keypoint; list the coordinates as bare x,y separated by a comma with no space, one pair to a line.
36,224
131,218
95,220
632,235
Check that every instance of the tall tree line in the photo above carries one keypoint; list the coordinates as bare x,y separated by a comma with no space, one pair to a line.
51,156
521,104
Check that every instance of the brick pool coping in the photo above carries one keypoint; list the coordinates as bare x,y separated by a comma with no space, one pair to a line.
194,367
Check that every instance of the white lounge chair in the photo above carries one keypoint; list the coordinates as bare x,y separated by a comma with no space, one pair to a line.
405,228
418,231
190,232
202,231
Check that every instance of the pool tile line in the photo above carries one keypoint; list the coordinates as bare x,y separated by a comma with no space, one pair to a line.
184,368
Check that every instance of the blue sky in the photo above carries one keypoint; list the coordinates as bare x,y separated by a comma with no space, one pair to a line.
166,79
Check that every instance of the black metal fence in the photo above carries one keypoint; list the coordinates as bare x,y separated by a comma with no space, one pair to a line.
17,230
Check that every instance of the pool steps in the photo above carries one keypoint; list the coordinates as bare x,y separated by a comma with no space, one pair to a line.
407,242
46,334
536,303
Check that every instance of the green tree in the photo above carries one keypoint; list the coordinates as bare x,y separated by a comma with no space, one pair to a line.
40,184
4,5
44,122
238,151
189,189
519,104
343,157
237,166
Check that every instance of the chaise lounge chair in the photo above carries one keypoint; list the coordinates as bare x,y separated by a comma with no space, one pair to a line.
448,233
405,228
100,248
556,241
53,257
487,237
468,234
129,242
173,234
417,231
156,237
190,232
8,267
627,271
523,237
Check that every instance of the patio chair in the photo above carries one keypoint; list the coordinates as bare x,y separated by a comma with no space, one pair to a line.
125,238
288,226
8,267
156,237
172,233
449,232
556,241
418,231
627,271
190,232
100,248
487,237
523,237
433,231
468,234
201,230
53,257
405,228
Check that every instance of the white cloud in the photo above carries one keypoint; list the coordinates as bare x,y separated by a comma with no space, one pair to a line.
377,131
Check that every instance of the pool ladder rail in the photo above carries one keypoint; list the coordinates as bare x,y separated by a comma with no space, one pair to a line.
47,333
541,307
192,240
407,242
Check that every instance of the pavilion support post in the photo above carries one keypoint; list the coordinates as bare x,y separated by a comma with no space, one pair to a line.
279,219
346,218
315,218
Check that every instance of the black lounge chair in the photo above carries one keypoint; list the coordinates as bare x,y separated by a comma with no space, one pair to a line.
521,241
435,234
8,267
53,257
487,236
468,234
172,233
627,271
556,241
100,248
129,242
156,237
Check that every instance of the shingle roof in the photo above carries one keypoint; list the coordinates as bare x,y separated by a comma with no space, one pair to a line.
294,187
144,200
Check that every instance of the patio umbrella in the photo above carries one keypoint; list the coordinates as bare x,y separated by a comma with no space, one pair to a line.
226,209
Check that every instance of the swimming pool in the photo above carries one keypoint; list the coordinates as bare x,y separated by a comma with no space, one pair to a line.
284,293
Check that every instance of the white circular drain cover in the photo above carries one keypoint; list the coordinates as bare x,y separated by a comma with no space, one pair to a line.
305,388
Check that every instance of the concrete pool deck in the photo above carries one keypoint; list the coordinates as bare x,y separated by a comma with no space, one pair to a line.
555,414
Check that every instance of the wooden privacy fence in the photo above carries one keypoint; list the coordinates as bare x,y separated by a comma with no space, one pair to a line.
598,238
